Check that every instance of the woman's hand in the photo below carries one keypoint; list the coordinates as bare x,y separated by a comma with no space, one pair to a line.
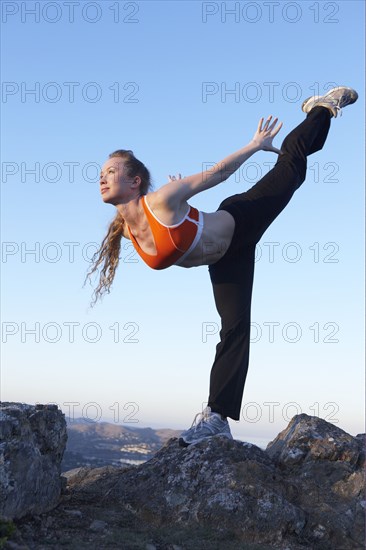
264,136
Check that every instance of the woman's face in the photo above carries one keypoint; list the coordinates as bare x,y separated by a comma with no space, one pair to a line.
115,186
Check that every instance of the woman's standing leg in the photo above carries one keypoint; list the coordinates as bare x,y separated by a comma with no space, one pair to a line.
232,283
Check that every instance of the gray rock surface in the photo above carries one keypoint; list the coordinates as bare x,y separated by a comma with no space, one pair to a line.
32,442
326,468
305,491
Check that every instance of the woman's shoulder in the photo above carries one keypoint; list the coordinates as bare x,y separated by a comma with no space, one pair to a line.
169,212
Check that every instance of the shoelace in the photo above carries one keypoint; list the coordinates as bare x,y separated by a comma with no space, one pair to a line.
203,416
338,109
336,104
339,104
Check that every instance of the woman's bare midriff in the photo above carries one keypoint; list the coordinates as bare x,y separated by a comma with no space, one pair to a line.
218,230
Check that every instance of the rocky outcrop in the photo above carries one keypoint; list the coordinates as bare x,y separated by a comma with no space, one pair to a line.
226,486
32,442
326,468
305,491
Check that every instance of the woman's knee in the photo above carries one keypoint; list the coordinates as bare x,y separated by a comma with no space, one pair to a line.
293,169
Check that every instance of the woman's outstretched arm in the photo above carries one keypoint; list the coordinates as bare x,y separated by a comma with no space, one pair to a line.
177,191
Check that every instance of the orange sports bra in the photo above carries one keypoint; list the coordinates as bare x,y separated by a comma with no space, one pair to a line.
173,242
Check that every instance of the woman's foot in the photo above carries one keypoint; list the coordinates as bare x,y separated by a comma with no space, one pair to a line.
334,100
205,424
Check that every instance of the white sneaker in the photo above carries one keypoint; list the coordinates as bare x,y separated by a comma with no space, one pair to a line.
334,100
204,425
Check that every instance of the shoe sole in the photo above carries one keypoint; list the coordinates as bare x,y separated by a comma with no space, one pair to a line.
183,443
308,99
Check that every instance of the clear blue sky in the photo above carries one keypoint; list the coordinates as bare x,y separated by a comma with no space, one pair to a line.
181,84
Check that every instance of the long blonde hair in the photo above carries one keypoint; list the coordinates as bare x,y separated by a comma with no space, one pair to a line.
111,245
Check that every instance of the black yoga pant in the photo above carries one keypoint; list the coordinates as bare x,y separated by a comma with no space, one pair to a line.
232,276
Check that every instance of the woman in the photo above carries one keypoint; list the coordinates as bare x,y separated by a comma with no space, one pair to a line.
165,230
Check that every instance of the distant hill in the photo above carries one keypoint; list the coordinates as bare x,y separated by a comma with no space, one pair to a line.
99,444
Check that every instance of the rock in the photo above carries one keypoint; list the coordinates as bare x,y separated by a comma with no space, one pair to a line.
15,546
32,442
97,525
308,438
304,491
74,513
325,467
216,484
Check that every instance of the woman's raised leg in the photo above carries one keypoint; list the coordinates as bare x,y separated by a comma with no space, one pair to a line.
232,276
